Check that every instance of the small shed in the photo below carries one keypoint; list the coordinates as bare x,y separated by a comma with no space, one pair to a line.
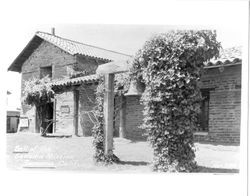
13,117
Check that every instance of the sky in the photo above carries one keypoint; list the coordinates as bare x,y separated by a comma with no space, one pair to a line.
225,18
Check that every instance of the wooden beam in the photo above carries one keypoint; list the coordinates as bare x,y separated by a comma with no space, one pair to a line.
76,111
122,124
108,112
114,67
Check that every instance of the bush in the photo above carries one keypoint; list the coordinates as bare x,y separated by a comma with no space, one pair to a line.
171,65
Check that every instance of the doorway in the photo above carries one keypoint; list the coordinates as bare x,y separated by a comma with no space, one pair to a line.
49,117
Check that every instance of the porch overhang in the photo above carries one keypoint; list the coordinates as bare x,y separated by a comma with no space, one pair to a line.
114,67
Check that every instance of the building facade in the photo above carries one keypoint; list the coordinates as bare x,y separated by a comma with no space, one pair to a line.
66,61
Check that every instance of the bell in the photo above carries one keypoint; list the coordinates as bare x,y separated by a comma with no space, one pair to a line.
135,88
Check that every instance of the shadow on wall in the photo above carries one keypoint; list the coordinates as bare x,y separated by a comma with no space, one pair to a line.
87,103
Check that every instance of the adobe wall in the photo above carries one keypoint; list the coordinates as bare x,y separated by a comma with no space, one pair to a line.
89,65
224,105
224,108
45,55
134,116
64,113
86,106
62,65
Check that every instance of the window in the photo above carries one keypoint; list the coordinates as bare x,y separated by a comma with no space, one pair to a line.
46,71
8,123
204,115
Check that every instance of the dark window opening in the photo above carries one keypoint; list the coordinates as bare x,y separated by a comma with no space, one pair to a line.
49,117
46,71
8,123
204,113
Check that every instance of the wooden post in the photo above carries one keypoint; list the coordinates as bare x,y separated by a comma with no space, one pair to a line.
122,117
76,111
37,121
54,115
108,112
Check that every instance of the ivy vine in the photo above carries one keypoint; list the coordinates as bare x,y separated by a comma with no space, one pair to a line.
38,92
98,129
170,65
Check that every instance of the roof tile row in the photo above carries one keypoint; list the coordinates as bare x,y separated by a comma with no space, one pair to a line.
75,48
76,81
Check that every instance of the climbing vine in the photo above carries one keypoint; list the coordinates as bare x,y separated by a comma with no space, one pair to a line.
38,92
98,129
170,65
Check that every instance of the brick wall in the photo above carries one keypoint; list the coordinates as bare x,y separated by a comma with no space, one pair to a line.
89,65
45,55
224,105
64,113
62,65
134,116
86,106
224,108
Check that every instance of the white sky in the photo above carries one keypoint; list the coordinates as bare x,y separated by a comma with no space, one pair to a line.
228,18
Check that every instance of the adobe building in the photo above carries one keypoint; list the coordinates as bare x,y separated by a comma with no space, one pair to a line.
72,67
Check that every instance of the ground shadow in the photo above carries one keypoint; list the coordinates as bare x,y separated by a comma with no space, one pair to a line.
217,143
135,163
202,169
57,136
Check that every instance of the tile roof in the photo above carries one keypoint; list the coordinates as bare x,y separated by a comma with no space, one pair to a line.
74,48
76,81
227,56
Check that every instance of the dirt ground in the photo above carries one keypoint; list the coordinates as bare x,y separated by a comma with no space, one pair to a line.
31,151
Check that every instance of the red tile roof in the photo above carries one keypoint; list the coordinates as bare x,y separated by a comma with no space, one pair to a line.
76,81
74,48
227,56
69,46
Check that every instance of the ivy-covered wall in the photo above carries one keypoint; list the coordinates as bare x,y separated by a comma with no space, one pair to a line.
224,108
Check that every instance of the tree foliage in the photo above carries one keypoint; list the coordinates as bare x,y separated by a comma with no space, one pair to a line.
171,65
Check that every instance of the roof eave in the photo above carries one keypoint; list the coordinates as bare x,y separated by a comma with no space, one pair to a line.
226,65
93,57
